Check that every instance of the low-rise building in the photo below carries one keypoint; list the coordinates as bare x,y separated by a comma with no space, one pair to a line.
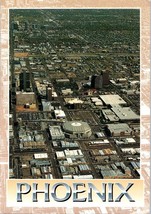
112,99
77,129
59,114
119,129
109,115
56,132
125,113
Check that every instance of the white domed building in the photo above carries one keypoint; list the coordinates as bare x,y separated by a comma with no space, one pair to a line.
77,129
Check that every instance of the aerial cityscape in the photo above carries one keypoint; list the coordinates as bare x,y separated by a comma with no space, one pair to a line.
74,93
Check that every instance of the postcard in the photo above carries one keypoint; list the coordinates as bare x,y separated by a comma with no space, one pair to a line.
75,107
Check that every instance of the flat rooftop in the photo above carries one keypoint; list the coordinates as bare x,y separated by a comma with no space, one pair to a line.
73,100
125,113
109,115
56,131
112,99
119,127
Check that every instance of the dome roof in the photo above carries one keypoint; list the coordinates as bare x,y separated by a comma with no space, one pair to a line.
76,127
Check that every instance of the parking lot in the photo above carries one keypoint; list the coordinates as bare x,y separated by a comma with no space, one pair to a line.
86,116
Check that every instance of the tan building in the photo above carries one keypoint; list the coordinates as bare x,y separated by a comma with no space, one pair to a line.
77,129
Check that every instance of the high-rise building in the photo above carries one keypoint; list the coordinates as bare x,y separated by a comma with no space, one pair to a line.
98,81
49,93
24,80
93,81
106,79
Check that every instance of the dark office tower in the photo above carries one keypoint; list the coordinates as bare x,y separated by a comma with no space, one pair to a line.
93,81
49,94
24,81
99,82
106,79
